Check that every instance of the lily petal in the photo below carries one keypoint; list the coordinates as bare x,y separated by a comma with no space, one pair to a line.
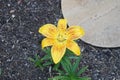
57,52
73,46
47,42
62,24
75,32
48,30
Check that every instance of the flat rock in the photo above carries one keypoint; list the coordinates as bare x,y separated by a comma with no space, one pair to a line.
99,18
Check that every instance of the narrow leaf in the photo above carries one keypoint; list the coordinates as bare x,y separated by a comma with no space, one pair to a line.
46,57
31,59
82,70
47,50
73,57
56,66
47,64
63,63
60,72
69,52
67,60
76,64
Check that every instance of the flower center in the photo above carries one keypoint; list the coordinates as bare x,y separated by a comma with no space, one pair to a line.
61,37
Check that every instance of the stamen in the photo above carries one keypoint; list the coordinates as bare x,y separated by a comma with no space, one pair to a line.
61,38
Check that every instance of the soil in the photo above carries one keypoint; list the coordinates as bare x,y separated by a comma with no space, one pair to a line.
19,40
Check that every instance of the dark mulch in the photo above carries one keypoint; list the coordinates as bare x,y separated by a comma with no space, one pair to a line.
19,39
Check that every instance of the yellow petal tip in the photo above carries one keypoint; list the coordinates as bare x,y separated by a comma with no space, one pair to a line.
55,62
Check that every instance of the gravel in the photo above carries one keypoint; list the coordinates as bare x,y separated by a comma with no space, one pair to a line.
19,40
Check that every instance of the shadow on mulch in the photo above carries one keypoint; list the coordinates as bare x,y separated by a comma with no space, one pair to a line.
19,39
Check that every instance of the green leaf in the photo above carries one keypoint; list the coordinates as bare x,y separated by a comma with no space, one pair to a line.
46,57
31,59
65,66
82,70
73,57
68,52
37,61
56,66
76,64
61,72
47,50
37,57
47,64
67,60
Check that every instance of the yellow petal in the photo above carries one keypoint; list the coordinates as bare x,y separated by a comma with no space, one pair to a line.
62,24
73,46
47,42
75,32
48,30
57,52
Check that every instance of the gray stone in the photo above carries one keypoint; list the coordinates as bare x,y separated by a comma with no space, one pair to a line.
99,18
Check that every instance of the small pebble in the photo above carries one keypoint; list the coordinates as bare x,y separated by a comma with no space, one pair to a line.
8,5
12,11
13,46
13,16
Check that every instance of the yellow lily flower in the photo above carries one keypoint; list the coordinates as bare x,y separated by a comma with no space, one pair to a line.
60,38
